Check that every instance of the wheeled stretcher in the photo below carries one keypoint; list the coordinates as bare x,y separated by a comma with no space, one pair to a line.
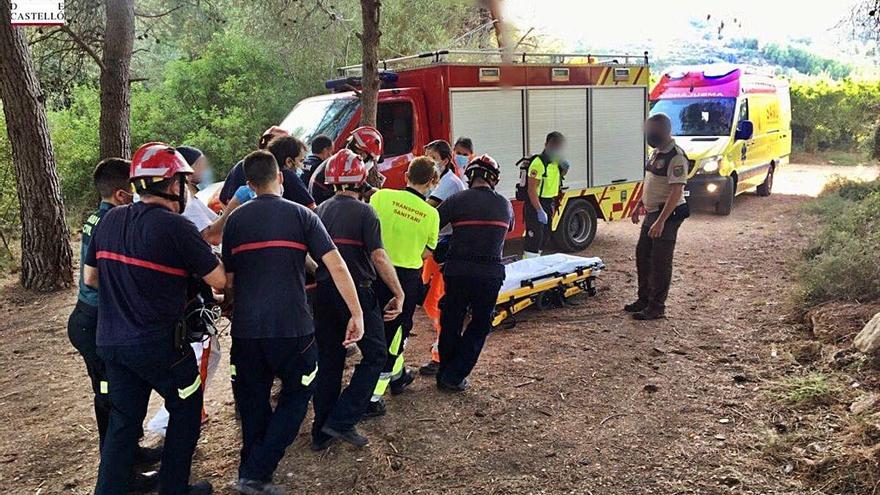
546,281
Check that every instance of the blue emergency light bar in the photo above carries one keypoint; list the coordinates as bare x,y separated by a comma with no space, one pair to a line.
387,79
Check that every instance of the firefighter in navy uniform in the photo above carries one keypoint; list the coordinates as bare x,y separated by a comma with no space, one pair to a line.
354,228
543,185
480,219
367,143
264,247
665,209
139,258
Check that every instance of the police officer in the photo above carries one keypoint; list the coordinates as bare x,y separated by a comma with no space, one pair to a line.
139,258
354,228
665,209
264,247
367,143
544,183
409,233
480,219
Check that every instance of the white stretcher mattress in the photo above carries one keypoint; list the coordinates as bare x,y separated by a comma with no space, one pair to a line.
518,271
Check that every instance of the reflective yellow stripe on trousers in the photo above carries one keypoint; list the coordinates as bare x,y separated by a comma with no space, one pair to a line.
395,349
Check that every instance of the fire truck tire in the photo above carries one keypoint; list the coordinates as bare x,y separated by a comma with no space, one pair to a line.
725,202
577,227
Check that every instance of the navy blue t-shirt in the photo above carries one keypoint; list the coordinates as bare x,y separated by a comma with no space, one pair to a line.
480,219
144,254
265,242
294,188
354,227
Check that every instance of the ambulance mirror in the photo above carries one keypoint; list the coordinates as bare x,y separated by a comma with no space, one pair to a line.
744,130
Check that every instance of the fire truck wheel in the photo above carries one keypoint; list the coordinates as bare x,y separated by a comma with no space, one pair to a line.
577,227
725,201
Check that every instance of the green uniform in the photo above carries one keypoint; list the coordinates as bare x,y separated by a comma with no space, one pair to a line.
548,175
409,225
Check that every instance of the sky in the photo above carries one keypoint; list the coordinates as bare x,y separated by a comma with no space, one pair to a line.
633,21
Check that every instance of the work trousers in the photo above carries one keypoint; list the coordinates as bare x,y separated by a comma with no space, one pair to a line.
460,350
654,261
397,330
432,276
537,234
81,329
133,371
266,434
342,411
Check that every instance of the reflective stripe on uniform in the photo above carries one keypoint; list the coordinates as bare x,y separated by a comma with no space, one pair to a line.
105,387
232,371
186,392
381,386
307,379
395,349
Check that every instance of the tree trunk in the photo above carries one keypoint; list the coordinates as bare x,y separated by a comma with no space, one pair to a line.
370,78
45,246
115,135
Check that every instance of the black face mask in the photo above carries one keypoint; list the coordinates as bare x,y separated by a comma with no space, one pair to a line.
654,139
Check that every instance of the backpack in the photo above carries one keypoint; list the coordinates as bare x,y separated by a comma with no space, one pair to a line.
522,186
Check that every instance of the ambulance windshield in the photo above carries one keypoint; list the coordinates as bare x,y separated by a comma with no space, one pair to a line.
698,116
327,116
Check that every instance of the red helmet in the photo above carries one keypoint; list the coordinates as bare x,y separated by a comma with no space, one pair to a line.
368,140
157,161
485,166
345,168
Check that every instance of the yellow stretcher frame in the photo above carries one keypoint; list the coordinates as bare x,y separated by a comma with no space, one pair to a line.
562,287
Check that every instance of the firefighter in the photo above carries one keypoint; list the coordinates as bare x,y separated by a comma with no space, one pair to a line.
354,228
139,258
409,233
265,244
111,181
367,143
544,183
289,153
322,148
665,209
449,184
480,220
235,178
464,153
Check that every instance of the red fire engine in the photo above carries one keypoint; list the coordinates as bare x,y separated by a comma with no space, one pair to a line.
597,101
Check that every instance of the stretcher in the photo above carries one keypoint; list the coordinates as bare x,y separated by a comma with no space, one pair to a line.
544,282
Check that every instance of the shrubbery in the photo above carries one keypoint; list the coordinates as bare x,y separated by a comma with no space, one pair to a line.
841,115
843,261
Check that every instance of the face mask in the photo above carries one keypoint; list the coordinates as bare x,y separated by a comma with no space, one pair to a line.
299,172
654,139
136,198
206,180
461,161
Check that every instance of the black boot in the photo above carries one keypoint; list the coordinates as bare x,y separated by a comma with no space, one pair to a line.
430,368
143,482
375,409
398,386
145,456
200,488
635,307
351,436
452,387
651,313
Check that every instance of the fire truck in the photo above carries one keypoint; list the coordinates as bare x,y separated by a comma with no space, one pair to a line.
507,105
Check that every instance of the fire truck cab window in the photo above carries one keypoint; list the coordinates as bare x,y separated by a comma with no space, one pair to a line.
395,122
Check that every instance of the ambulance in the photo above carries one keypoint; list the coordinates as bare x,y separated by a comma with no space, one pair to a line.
734,123
599,102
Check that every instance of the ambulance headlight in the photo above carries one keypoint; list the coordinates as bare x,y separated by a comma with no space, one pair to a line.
710,165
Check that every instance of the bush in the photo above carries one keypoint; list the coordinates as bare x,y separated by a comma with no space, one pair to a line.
842,261
839,115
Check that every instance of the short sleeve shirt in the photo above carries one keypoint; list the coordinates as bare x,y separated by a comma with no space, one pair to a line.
665,167
449,184
198,213
549,184
145,255
480,220
354,228
409,225
294,189
234,180
265,242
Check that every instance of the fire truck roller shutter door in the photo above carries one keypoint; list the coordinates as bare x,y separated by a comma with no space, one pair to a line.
565,111
617,140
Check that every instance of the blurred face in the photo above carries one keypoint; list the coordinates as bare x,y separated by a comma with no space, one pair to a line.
202,172
657,133
440,163
555,149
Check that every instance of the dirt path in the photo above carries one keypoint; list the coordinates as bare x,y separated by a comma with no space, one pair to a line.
578,400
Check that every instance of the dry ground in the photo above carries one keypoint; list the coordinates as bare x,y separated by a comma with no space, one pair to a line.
576,400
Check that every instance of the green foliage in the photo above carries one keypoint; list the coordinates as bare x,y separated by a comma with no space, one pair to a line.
841,261
840,115
74,133
9,225
804,61
810,390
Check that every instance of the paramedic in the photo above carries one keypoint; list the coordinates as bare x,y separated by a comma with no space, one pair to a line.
480,220
289,153
139,258
322,148
264,247
367,143
665,209
354,228
409,233
544,182
449,184
464,153
111,181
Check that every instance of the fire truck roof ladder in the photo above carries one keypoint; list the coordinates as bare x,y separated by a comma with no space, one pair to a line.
498,57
